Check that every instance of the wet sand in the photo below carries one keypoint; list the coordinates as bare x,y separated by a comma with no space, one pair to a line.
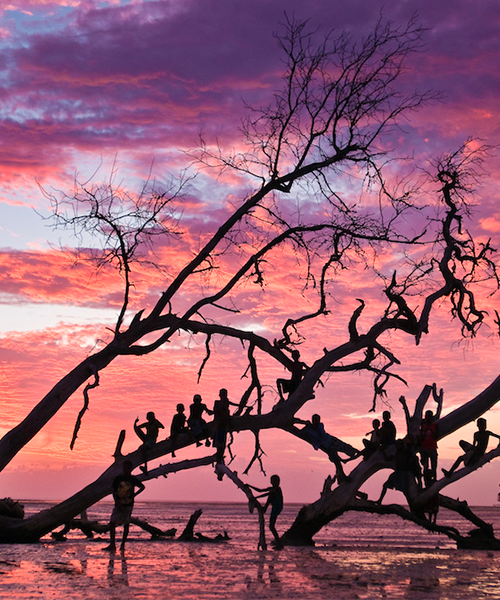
80,569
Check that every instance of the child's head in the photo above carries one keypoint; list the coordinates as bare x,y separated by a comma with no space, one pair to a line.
386,415
481,424
223,393
295,354
150,416
275,480
180,408
428,415
315,419
197,398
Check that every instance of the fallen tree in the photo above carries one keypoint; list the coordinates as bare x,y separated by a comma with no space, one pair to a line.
338,99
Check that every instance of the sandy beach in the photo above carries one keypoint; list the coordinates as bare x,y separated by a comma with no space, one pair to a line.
355,558
154,570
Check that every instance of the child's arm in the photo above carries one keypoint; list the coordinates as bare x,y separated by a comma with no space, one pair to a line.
140,488
264,495
257,489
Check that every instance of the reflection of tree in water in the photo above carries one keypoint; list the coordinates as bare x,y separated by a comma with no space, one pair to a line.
397,574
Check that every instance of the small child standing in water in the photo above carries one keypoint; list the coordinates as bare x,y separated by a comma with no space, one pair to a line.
274,496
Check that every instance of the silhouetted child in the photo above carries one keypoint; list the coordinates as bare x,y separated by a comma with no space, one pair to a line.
298,370
274,496
148,434
431,507
428,446
314,433
222,418
406,469
372,444
197,424
475,450
178,425
124,492
387,431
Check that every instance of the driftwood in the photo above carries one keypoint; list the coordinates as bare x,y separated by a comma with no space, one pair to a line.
188,534
32,528
155,532
88,528
11,508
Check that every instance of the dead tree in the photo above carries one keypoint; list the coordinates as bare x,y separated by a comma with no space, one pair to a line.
337,101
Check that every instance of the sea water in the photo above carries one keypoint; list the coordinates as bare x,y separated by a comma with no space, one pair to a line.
357,556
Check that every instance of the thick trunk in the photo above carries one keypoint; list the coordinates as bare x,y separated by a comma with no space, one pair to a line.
313,517
470,410
15,440
33,528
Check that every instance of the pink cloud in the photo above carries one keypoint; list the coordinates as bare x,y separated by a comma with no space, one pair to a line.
143,80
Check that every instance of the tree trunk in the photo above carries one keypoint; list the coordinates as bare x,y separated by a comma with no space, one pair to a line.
313,517
33,528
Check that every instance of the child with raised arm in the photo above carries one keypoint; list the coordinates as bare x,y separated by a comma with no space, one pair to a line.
148,434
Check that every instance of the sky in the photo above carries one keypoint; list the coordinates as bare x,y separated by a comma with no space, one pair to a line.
123,90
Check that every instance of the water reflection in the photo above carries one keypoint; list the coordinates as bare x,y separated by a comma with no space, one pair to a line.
266,575
361,566
117,570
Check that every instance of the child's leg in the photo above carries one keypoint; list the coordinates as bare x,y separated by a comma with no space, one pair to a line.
140,433
272,526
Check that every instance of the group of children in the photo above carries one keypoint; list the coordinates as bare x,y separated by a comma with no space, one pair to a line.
195,425
381,438
126,486
408,470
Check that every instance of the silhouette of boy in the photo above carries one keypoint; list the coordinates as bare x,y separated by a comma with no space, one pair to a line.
298,370
406,469
314,432
148,434
222,418
274,496
196,423
178,425
124,492
428,446
372,444
387,431
475,450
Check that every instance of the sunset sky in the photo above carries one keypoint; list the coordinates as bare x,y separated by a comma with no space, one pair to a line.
89,88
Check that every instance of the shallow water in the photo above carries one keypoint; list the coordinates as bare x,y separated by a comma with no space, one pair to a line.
359,556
